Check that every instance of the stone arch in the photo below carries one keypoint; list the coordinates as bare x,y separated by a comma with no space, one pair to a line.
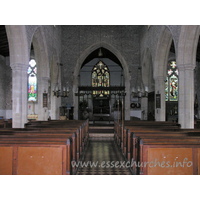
186,62
162,52
187,45
160,67
18,44
147,69
41,52
118,54
43,75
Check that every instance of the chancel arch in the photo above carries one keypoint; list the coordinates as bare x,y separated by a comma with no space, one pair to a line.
83,57
101,81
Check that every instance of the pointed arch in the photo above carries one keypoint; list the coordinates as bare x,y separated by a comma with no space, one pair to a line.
160,67
18,44
187,45
162,52
118,54
41,52
147,70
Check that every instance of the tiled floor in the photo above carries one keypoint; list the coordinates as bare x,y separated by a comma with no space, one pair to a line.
105,157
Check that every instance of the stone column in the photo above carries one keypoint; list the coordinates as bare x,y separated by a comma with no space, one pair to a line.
181,96
55,104
127,99
186,96
19,95
160,89
43,86
75,98
144,107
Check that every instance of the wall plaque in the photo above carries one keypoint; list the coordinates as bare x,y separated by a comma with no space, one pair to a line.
44,100
158,104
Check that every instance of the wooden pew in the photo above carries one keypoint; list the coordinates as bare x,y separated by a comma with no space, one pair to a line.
135,150
49,134
35,157
45,135
171,153
83,129
63,124
129,140
120,134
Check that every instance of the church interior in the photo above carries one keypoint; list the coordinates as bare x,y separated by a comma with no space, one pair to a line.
114,96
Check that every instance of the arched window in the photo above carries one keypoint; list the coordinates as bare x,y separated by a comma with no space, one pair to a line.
100,78
32,81
171,82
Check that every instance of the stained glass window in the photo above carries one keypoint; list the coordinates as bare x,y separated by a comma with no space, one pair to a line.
100,78
32,81
171,83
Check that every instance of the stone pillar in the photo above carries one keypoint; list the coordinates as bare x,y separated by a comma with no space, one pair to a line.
127,98
181,96
75,98
19,95
160,89
144,108
55,104
186,96
43,86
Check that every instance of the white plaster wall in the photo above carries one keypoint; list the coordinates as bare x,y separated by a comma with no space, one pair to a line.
8,114
136,113
3,113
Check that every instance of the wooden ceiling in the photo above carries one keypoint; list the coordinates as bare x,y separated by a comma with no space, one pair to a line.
4,48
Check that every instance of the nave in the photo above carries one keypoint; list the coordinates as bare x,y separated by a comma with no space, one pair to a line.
106,156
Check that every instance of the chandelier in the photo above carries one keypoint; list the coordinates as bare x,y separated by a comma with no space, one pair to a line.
58,93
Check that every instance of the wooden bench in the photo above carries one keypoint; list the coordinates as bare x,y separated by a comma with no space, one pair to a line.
51,136
120,134
81,132
171,153
128,141
35,158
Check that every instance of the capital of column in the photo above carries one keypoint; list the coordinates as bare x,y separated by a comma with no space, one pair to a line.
19,66
186,67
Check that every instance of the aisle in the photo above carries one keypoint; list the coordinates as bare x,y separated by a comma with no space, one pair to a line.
102,157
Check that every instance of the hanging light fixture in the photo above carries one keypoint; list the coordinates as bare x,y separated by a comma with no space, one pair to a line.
100,54
139,90
58,93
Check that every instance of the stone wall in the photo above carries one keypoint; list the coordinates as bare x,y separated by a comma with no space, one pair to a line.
197,85
5,89
76,39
